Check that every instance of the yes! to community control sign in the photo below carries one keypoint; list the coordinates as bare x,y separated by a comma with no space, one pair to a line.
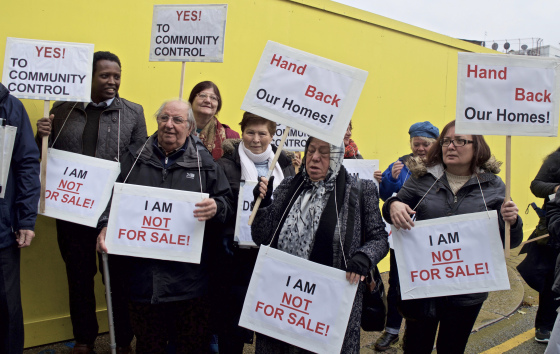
47,70
188,33
507,95
314,95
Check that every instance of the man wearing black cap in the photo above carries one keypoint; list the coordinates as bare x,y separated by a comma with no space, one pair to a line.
102,128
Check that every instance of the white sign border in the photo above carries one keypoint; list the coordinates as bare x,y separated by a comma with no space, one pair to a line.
464,127
154,253
348,105
409,292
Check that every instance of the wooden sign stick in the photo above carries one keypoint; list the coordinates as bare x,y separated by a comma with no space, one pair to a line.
182,79
44,148
508,192
534,239
270,170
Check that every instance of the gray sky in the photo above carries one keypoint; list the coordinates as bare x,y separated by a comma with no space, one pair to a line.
473,19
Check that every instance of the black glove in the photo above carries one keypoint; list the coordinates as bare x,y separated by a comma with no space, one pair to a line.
359,264
267,200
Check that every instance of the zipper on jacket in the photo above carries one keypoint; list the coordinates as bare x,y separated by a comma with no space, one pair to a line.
164,173
455,199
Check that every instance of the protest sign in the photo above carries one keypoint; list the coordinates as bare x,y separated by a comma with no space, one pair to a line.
242,233
295,141
362,169
507,95
157,223
7,140
48,70
298,301
78,187
188,33
314,95
451,256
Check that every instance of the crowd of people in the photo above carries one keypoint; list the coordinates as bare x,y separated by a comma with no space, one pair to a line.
311,208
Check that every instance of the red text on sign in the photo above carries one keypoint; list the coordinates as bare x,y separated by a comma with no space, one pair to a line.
188,15
149,222
522,95
284,64
69,186
50,52
320,96
492,74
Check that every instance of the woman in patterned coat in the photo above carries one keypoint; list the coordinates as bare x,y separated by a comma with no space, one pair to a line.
323,223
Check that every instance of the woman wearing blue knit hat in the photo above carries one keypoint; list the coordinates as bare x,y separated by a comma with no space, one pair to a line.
422,135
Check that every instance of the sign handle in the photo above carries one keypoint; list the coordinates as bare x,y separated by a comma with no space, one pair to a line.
508,192
534,239
270,170
105,258
44,148
182,79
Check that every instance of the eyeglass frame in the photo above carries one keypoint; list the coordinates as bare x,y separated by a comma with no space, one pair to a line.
204,95
453,141
165,119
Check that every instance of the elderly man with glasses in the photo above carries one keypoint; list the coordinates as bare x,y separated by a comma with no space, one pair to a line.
168,299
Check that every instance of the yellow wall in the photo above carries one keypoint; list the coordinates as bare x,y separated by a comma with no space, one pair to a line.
412,77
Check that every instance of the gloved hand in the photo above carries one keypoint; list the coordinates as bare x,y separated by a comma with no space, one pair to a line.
359,264
260,189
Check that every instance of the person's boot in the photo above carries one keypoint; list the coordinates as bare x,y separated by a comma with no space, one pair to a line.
384,342
82,348
542,335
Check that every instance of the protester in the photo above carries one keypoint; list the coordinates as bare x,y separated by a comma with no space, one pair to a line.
102,128
350,148
295,156
553,221
325,199
244,160
206,102
18,211
457,177
538,266
168,298
422,136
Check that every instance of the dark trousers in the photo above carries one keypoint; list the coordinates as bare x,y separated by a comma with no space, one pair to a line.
546,313
455,325
11,314
185,322
394,318
77,247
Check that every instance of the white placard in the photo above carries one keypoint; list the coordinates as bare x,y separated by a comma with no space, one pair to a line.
78,187
242,233
306,92
48,70
295,141
191,33
507,95
298,301
7,140
454,255
362,169
156,223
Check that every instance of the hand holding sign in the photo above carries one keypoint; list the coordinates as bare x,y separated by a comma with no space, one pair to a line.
400,215
206,209
44,126
396,170
509,212
101,246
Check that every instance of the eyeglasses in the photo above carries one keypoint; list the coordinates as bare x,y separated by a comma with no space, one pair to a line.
457,142
176,120
204,96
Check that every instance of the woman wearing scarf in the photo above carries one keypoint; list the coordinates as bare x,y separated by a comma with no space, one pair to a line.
323,224
458,176
206,102
350,148
244,159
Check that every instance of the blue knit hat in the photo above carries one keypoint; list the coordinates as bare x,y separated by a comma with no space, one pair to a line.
423,129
